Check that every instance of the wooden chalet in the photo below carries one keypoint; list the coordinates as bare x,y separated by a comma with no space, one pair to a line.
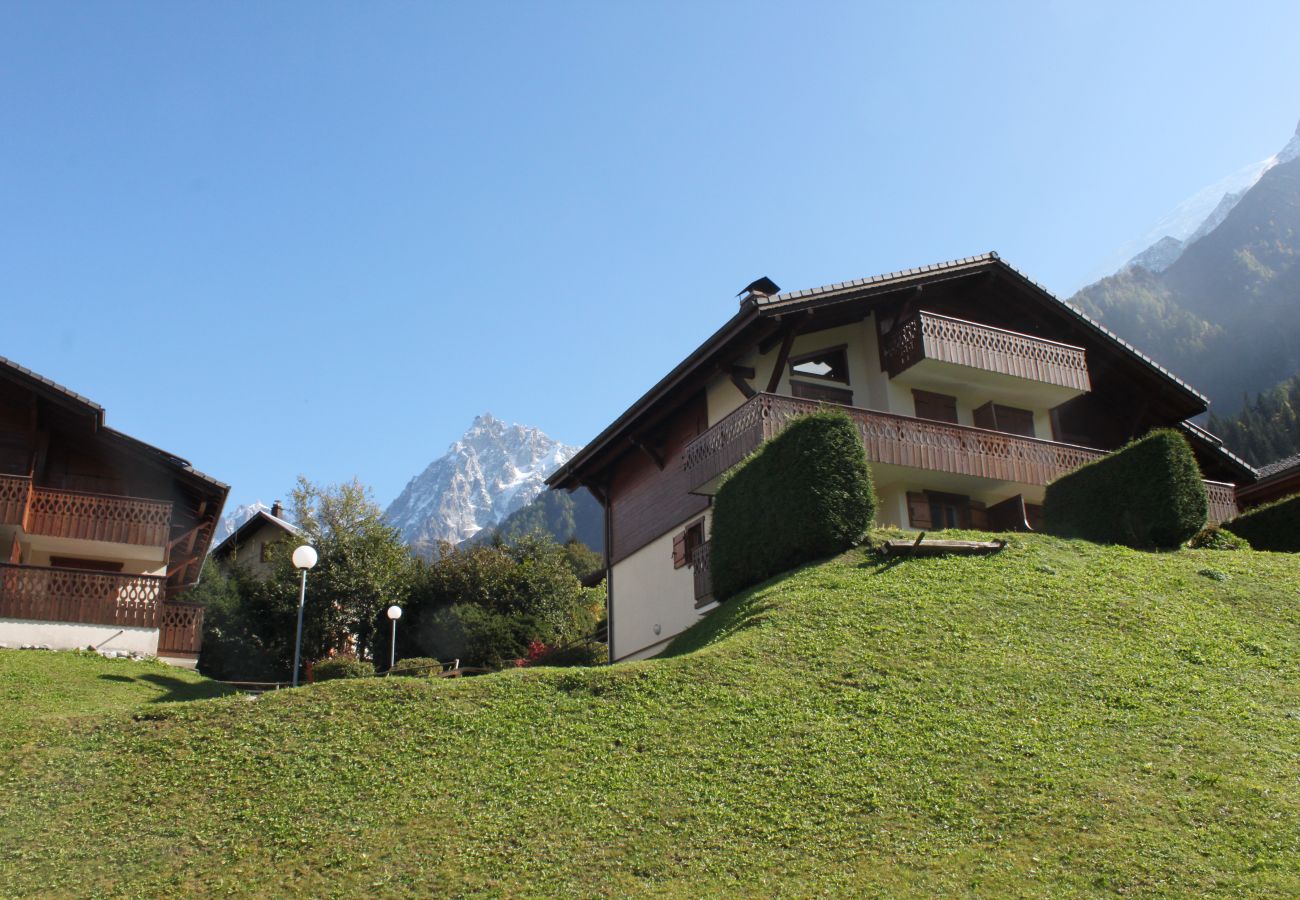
972,388
100,533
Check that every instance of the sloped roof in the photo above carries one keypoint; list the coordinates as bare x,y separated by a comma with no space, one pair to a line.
1278,466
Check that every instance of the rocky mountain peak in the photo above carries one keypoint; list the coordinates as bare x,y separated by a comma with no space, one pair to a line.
493,469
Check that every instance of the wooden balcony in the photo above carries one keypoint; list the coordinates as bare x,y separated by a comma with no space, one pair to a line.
889,439
1223,501
929,336
82,515
50,594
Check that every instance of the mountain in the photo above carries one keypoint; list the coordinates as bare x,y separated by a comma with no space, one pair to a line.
493,470
232,520
1225,311
559,514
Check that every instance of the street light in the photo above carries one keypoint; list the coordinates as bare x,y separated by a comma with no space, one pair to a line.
394,613
303,559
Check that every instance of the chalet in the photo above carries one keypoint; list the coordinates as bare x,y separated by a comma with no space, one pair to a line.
972,388
101,533
251,545
1278,479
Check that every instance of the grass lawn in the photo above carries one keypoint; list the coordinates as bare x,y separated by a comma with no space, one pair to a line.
1058,718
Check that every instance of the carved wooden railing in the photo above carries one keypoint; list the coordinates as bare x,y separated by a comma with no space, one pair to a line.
932,336
703,574
14,493
1223,501
99,517
888,438
180,629
50,594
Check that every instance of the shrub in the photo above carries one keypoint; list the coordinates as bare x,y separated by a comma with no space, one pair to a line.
342,667
803,495
1274,526
1147,494
1213,537
417,666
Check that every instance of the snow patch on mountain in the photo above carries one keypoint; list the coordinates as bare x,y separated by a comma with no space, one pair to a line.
1202,212
494,469
230,522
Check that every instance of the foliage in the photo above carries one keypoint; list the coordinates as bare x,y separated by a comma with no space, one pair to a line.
1060,719
484,604
417,666
1267,429
803,495
1214,537
342,667
364,566
1148,494
560,515
1273,526
248,625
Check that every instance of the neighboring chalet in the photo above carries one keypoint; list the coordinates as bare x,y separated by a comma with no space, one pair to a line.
100,533
972,388
1278,479
252,544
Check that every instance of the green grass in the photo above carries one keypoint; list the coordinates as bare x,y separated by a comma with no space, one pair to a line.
1059,718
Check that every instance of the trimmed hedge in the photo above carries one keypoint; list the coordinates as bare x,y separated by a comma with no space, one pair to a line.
804,495
1214,537
416,667
1273,526
1147,494
342,667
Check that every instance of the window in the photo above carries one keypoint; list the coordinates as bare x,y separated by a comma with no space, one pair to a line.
831,364
267,551
821,392
687,544
1009,419
931,509
938,407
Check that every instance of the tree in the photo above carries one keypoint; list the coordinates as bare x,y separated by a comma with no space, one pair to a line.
364,566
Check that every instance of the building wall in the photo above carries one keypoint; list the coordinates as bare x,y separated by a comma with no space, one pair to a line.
76,636
649,593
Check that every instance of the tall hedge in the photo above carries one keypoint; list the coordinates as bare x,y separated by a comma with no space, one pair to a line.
805,494
1274,526
1148,494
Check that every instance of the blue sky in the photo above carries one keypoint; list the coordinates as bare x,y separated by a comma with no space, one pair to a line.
318,238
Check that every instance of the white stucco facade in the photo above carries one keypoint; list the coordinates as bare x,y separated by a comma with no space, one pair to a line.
77,636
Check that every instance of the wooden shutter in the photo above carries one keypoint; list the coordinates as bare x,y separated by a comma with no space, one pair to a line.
679,550
1015,421
806,391
936,407
918,510
984,417
979,517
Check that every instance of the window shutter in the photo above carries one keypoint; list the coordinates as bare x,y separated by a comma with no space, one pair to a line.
936,407
984,417
918,510
679,550
979,517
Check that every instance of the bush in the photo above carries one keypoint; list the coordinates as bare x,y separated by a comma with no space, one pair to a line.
417,666
805,494
1274,526
342,667
1212,537
1147,494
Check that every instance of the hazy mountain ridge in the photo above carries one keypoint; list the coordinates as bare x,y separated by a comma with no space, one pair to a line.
1225,313
493,470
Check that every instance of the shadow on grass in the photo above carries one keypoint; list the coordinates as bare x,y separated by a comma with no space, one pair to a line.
175,689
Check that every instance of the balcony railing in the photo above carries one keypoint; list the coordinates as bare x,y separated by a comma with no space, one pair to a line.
78,514
180,629
50,594
1223,501
932,336
888,438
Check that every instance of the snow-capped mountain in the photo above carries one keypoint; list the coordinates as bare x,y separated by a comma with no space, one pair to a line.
1204,211
236,517
493,470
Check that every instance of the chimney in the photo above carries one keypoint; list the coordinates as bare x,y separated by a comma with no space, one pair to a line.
277,510
758,290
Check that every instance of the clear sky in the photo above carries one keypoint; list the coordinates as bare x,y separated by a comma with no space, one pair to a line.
318,238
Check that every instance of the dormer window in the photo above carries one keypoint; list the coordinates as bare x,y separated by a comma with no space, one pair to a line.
831,364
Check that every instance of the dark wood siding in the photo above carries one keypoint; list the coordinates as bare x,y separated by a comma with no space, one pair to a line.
647,502
806,391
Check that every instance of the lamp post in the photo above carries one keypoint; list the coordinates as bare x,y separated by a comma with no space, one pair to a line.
394,613
303,559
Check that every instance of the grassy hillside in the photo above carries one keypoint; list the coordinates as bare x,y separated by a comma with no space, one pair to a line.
1060,717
